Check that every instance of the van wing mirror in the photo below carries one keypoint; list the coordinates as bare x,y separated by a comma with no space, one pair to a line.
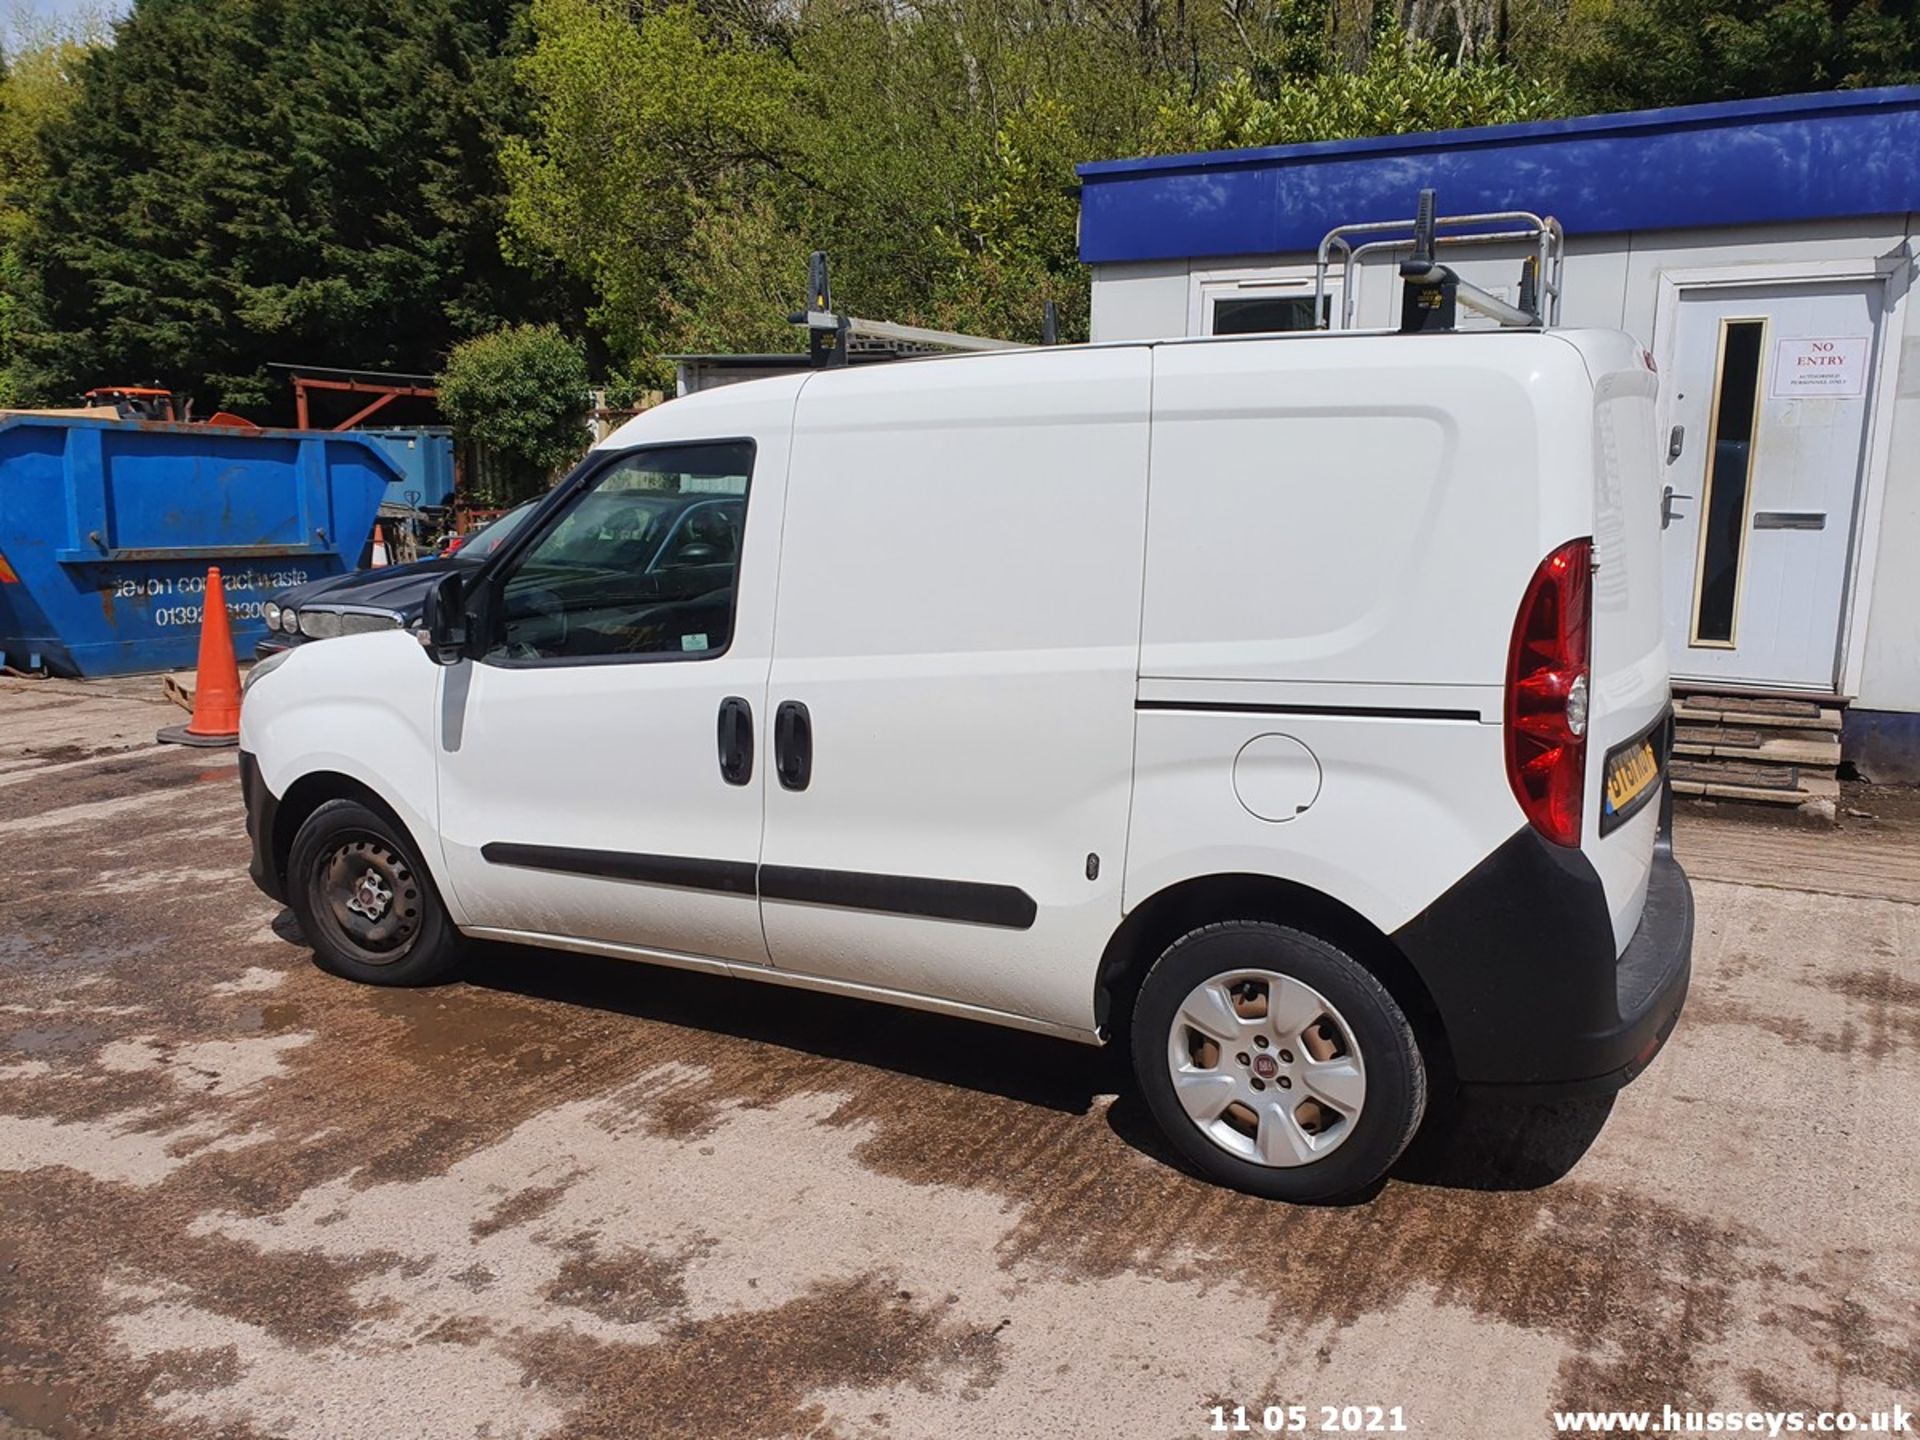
443,620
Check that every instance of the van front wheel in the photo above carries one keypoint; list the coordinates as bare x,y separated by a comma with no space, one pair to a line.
364,900
1275,1063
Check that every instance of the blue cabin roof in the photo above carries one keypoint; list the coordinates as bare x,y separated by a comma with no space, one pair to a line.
1748,162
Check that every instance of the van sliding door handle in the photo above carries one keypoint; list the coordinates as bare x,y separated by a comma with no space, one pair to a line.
793,745
736,740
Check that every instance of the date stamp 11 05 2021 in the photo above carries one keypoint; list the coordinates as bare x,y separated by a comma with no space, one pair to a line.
1306,1420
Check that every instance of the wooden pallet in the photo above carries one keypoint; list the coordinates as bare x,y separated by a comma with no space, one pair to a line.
179,688
1759,749
1818,749
1757,710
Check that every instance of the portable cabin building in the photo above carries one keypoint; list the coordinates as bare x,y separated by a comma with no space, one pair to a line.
1763,252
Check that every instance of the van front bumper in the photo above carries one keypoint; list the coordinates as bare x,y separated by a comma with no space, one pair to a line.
1519,958
262,809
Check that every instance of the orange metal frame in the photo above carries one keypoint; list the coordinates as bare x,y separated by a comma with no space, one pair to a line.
384,394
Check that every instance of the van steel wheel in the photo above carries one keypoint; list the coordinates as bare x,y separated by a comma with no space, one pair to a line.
1276,1063
370,898
367,906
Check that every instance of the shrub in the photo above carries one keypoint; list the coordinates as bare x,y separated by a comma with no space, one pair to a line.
521,394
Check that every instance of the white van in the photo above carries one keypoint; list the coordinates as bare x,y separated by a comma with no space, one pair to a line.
1290,708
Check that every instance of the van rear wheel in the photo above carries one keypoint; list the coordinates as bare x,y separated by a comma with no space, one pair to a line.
364,900
1275,1063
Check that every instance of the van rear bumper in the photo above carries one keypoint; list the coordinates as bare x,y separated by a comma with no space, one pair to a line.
1519,958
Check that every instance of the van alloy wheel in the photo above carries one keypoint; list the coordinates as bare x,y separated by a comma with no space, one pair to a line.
1267,1068
1275,1062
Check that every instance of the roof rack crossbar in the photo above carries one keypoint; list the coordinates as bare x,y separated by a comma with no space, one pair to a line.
860,329
829,332
1422,234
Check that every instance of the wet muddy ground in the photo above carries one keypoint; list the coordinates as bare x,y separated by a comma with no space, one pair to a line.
574,1197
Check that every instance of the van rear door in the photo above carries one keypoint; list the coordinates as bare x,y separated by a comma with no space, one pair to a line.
955,652
1629,687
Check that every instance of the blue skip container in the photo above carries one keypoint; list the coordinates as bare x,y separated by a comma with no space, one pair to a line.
108,527
425,457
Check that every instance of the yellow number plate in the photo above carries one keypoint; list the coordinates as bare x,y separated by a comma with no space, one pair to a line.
1629,774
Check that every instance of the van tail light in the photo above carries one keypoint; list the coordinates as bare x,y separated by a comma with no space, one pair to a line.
1547,693
7,577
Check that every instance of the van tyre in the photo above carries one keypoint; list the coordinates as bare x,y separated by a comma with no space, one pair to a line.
366,903
1275,1063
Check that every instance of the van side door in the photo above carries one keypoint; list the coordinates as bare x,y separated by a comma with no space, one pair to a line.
953,678
600,762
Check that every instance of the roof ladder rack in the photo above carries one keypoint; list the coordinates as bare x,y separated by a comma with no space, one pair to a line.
829,333
1431,291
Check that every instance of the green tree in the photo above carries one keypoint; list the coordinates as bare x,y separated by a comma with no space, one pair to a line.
1406,84
639,116
519,395
740,273
37,86
1628,54
684,161
245,181
1019,247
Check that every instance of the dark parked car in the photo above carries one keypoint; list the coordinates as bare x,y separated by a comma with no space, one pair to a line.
384,599
665,548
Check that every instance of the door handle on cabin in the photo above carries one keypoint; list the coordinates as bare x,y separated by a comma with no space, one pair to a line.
736,740
1667,513
793,745
1676,442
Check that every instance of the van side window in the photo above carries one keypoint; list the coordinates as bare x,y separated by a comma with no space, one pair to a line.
643,563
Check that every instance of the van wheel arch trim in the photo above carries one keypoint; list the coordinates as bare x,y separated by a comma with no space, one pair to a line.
283,816
1161,918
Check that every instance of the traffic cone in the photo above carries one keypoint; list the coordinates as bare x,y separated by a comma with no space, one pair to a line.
379,546
216,687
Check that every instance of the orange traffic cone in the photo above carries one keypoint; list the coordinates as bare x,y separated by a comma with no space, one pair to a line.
216,690
379,546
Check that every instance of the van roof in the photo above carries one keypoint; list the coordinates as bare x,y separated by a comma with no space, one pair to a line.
1601,350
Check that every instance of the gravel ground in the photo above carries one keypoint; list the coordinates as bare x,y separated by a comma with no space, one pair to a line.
573,1197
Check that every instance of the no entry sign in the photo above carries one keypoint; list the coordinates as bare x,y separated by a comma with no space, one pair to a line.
1836,368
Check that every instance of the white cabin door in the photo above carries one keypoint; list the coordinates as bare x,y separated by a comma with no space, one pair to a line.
1767,424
